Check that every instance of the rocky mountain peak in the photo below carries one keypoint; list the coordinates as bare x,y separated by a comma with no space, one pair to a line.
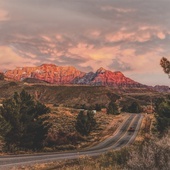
70,75
101,70
46,72
48,65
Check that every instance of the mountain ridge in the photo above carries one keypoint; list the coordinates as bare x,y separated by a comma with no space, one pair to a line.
61,75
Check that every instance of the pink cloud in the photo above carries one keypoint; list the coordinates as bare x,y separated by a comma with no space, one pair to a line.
46,38
4,16
120,10
161,35
10,59
143,34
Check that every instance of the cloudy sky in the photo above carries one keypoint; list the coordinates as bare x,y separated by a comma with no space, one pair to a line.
126,35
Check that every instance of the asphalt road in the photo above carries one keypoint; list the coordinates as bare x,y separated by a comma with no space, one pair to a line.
119,139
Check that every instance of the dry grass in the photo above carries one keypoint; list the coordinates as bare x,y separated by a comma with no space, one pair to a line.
145,131
63,134
151,155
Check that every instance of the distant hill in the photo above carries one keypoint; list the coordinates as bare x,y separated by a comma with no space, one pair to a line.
161,88
78,95
69,75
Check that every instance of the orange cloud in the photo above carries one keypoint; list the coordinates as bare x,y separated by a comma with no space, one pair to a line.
119,36
143,34
161,35
89,51
46,38
10,59
145,63
103,55
59,37
4,16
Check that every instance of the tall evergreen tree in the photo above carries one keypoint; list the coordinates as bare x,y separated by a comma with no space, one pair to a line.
85,122
23,114
134,107
163,116
112,108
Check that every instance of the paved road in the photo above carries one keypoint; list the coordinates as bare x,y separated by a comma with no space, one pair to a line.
120,138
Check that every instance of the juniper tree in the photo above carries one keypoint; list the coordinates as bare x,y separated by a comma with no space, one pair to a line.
112,108
22,113
85,122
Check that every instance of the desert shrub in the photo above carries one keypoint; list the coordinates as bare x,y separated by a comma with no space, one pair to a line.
154,154
85,122
113,158
112,108
149,155
65,147
62,138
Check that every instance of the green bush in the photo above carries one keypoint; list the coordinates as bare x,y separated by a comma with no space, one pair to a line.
112,108
133,107
85,122
162,108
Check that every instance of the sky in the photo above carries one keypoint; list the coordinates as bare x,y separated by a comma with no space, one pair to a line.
130,36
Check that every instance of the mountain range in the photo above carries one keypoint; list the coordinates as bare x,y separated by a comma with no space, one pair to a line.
68,75
63,75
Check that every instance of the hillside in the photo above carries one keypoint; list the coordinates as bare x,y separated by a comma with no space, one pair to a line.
78,95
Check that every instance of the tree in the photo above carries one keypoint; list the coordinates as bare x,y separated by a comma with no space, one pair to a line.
1,76
85,122
98,107
112,108
5,127
165,65
23,114
163,116
134,107
163,107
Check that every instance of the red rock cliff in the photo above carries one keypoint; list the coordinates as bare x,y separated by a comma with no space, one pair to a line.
47,72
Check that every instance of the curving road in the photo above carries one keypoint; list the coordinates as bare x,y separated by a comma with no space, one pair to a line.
120,138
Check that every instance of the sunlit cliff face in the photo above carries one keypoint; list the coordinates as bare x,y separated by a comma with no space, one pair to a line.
130,36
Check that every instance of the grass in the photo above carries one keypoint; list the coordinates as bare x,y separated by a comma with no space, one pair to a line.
63,135
153,154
